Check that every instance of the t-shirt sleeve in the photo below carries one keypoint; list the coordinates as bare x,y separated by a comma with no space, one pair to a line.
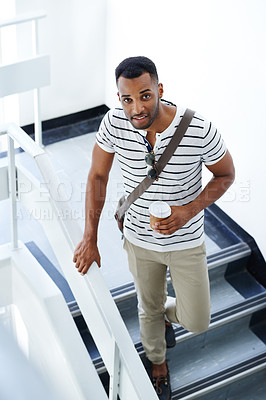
104,137
214,147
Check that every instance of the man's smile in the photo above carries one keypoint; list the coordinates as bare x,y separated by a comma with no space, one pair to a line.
139,118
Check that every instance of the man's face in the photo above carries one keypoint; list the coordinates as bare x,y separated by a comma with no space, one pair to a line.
140,99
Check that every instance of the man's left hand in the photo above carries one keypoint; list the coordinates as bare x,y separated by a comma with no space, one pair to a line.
179,217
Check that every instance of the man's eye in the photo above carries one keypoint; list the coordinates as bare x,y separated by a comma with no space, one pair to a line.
127,100
146,96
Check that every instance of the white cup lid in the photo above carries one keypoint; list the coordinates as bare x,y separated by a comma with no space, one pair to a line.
160,209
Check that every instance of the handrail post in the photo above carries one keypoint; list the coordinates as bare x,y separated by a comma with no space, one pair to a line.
36,92
12,191
115,373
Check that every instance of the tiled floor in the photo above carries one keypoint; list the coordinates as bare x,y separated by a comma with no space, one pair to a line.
71,159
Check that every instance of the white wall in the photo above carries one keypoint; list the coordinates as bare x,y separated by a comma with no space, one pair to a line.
73,34
211,57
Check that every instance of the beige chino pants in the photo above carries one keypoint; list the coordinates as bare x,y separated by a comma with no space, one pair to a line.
190,308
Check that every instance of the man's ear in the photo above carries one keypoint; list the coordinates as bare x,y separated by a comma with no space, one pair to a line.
118,96
160,90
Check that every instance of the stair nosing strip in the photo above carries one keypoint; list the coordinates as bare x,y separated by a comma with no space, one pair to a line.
193,389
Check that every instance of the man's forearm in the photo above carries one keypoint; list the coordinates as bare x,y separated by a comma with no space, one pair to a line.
87,251
95,198
223,177
213,191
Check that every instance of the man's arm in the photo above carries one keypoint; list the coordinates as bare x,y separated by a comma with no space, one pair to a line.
223,177
87,251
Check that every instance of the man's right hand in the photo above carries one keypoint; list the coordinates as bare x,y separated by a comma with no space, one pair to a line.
85,254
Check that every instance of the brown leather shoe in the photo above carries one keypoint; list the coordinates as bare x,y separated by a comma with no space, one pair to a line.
162,386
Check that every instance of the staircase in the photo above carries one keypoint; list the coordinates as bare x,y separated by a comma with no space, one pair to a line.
226,362
232,352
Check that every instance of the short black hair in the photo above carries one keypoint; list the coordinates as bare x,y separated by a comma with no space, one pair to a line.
133,67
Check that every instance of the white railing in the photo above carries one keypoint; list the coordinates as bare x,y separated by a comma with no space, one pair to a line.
128,378
30,74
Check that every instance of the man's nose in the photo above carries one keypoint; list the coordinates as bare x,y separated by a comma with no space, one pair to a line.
138,107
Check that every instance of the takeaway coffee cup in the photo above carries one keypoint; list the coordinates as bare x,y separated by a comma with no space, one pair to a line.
159,210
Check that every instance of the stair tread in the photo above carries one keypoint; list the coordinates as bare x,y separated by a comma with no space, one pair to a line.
214,383
252,387
212,352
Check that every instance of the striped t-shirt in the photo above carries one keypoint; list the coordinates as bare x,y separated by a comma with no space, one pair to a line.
179,183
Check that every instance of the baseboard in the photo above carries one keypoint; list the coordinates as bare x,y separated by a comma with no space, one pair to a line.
69,126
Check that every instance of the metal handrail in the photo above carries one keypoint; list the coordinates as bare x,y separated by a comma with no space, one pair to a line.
21,137
128,378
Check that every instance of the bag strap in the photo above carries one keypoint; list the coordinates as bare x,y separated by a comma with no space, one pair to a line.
161,163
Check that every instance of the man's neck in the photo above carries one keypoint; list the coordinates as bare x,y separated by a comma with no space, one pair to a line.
164,119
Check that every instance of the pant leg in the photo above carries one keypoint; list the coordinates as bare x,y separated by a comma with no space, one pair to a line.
150,281
189,275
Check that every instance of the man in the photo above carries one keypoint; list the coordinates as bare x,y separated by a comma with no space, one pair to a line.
146,123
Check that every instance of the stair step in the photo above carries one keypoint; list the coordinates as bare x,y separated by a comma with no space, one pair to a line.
220,379
215,356
253,386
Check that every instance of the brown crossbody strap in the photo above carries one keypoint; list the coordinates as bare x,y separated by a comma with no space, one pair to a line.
161,163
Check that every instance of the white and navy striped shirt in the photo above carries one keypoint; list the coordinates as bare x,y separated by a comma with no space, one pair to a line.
179,183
